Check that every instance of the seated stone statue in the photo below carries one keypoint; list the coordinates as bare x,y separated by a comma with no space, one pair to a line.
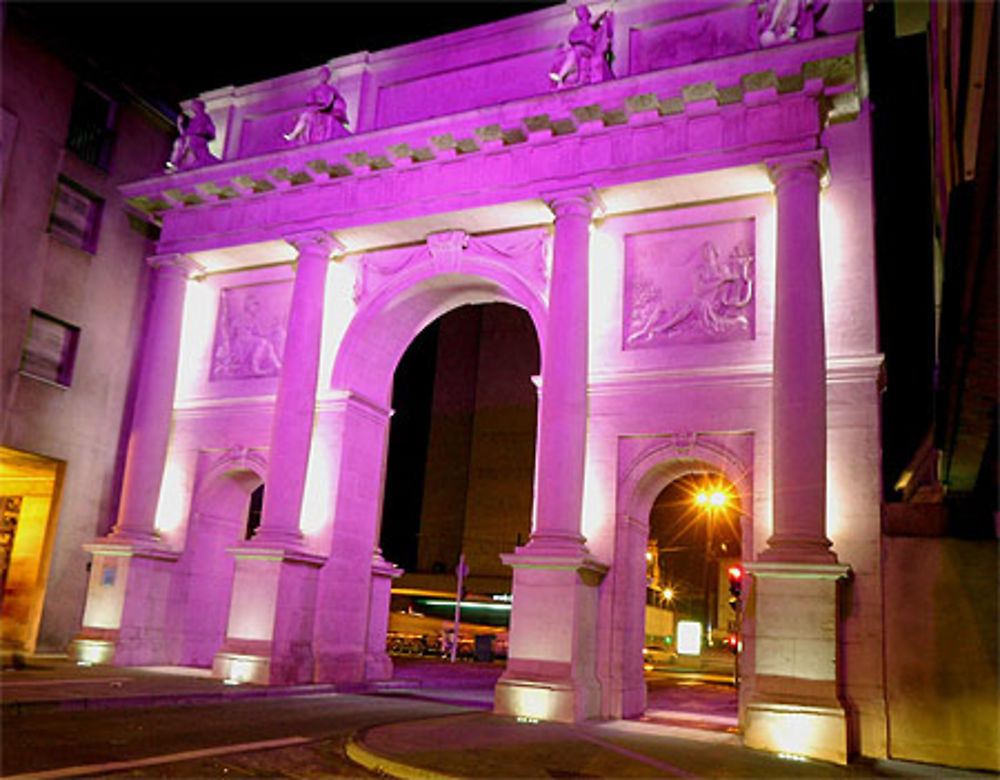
585,57
781,21
196,132
324,117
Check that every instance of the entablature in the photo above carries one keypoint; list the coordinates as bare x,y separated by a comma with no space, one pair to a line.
718,114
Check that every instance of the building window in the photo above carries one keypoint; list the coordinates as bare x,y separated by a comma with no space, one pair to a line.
91,126
75,215
49,349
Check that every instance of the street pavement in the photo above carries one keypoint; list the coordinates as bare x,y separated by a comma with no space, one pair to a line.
689,729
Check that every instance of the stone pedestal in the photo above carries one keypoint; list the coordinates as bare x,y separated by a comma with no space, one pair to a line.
553,638
378,665
794,706
269,634
125,618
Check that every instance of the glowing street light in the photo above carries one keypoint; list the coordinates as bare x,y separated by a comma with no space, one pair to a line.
714,498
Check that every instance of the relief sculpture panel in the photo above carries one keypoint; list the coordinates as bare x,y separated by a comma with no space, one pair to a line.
250,331
690,285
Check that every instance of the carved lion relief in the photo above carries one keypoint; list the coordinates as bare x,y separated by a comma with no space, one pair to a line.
250,331
690,285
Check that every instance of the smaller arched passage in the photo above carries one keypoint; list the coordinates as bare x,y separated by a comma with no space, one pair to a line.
218,522
388,319
643,479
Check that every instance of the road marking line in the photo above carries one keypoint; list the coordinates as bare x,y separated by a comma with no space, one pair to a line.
170,758
26,683
670,769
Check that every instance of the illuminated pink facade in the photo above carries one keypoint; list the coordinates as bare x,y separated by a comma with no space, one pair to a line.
692,239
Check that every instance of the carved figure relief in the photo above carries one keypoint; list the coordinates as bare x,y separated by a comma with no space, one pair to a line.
585,57
780,21
691,285
250,331
197,130
323,118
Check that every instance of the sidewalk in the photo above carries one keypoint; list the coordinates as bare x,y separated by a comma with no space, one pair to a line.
471,744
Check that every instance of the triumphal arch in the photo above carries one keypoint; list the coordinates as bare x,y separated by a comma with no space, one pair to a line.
679,196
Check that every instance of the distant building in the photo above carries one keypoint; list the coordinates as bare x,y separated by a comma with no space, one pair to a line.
73,302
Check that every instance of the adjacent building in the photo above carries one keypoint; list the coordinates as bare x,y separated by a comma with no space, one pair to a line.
74,295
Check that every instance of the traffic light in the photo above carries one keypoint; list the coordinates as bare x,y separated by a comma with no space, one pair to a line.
735,585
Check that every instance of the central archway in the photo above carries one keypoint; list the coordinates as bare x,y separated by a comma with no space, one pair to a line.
460,478
399,293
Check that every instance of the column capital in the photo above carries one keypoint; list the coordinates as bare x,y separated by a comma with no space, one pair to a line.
581,201
177,263
814,162
315,241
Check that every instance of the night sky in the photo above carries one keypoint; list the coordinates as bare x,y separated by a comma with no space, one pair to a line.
172,51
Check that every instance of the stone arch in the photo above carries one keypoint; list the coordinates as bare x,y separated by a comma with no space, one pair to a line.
398,292
217,522
645,470
399,297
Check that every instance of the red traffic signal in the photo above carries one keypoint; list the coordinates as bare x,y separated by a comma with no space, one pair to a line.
735,582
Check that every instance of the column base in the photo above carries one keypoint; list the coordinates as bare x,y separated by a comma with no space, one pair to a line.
347,667
543,691
269,633
93,647
795,729
243,662
553,637
125,618
793,704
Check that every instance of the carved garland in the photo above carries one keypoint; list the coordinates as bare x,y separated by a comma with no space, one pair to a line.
447,251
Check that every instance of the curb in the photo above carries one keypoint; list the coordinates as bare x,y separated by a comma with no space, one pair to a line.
160,699
363,756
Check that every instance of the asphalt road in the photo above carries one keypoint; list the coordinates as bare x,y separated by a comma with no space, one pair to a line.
302,736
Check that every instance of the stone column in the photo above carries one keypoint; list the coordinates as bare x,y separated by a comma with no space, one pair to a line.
799,400
553,633
273,603
131,570
793,693
562,419
294,412
150,434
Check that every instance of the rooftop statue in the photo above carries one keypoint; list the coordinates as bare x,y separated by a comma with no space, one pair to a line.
324,117
786,20
191,148
585,57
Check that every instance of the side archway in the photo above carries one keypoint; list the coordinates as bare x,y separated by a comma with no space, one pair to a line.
218,522
647,467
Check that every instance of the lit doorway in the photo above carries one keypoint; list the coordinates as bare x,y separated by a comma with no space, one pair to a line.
29,498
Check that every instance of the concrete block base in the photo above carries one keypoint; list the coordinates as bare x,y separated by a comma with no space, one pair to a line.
91,651
563,701
797,730
242,668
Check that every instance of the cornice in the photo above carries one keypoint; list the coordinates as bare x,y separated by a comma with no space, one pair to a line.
760,85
